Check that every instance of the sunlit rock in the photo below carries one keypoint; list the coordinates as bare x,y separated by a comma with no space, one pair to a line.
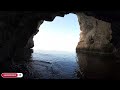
95,34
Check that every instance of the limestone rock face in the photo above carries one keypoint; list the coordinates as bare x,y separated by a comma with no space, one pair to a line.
30,43
17,29
95,34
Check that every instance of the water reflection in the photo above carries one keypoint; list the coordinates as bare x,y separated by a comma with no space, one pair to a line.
47,65
93,66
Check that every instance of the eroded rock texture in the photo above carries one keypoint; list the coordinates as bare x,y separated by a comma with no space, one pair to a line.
100,30
17,30
95,35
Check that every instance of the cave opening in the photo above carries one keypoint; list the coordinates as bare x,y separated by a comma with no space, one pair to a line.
93,60
62,34
54,51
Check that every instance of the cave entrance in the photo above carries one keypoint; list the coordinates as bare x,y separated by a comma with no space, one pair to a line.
62,34
54,48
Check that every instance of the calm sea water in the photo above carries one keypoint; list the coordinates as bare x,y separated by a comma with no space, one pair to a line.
56,65
63,65
44,65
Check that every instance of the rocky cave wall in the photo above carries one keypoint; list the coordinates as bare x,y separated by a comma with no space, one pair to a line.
95,35
100,33
17,29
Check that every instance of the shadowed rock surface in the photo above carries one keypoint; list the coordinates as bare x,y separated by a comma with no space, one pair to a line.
17,29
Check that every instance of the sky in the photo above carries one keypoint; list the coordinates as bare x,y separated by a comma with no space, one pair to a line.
62,34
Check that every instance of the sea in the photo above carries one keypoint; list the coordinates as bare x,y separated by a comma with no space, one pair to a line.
43,64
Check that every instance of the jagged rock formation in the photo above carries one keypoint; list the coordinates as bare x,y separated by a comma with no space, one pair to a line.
95,35
17,29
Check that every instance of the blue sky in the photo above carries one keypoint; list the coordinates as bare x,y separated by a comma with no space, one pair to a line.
62,34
